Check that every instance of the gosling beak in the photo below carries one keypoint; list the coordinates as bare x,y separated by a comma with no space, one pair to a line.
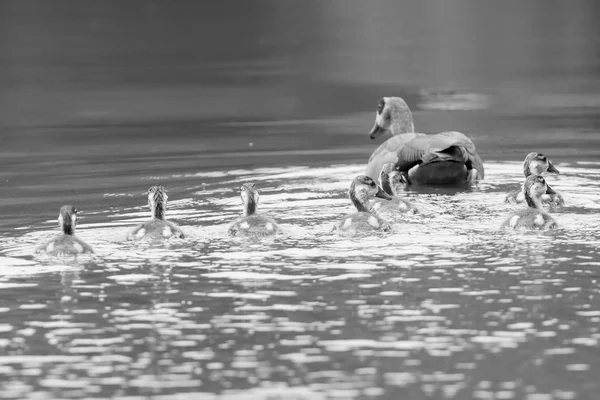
376,131
552,168
549,190
383,195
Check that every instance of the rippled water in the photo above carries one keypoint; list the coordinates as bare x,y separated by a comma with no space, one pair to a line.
103,100
446,306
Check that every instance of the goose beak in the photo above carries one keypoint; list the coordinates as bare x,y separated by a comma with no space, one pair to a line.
552,168
383,195
376,131
549,190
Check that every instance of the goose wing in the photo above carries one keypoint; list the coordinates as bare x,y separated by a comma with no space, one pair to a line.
387,152
470,152
86,247
429,148
451,146
393,144
411,152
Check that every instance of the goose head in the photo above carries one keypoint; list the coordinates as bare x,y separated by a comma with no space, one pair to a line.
392,115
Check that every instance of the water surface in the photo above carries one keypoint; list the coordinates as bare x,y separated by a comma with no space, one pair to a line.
102,101
446,306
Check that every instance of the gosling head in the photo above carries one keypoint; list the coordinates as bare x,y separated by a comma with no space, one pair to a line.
392,115
390,177
363,188
157,200
534,188
536,164
250,198
67,219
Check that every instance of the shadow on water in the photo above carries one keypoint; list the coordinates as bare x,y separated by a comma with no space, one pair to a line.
104,100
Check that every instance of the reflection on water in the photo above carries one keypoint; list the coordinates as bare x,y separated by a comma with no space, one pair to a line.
447,306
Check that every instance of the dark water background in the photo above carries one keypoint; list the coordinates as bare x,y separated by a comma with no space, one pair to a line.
99,100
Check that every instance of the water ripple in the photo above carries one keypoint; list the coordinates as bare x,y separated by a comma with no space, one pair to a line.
432,308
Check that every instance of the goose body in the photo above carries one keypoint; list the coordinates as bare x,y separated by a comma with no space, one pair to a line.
390,180
537,164
444,159
65,243
250,223
366,218
157,228
532,217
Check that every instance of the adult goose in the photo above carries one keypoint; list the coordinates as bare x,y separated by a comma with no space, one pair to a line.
443,159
